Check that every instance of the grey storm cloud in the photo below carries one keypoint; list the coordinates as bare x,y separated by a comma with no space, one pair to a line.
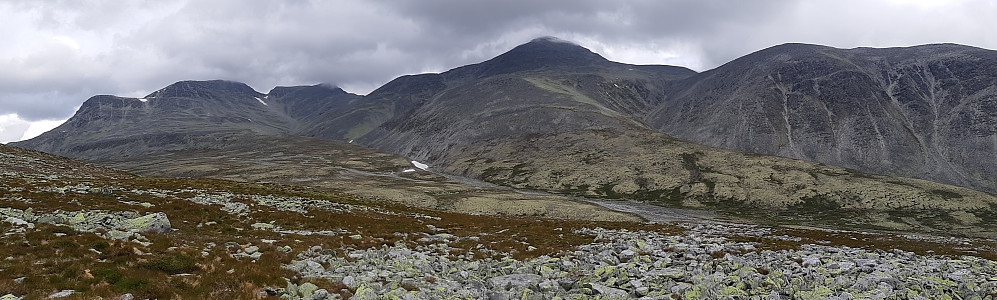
59,53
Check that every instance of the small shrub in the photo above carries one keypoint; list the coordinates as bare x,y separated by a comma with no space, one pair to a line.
64,244
173,264
947,195
131,283
109,274
101,246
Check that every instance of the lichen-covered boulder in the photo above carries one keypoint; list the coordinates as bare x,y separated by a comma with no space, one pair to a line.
156,222
307,289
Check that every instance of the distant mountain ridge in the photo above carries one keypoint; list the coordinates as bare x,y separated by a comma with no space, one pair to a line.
553,116
924,111
186,114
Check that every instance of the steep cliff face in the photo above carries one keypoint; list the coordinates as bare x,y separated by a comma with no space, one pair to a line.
927,112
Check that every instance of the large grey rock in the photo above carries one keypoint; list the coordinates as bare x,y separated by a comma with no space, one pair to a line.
314,268
774,295
667,273
872,281
350,281
320,294
62,294
514,281
307,289
610,292
811,262
498,296
626,255
155,222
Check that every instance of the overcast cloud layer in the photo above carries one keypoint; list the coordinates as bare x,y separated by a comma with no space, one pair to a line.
57,54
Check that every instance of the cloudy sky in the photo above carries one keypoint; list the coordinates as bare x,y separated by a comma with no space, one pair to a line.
56,54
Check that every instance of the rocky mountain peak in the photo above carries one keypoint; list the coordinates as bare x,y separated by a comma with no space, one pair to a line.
205,89
548,51
554,44
540,53
322,90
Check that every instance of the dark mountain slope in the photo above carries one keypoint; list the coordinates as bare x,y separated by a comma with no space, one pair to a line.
540,53
396,98
397,101
183,115
927,111
521,105
547,53
305,106
542,87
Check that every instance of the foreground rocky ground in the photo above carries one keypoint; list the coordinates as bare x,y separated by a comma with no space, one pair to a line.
619,264
75,231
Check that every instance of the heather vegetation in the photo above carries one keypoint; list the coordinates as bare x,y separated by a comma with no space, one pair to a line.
222,239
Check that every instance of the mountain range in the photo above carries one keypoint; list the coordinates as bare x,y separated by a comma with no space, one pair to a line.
926,112
870,136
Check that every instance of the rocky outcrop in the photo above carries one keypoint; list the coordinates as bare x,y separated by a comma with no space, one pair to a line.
111,225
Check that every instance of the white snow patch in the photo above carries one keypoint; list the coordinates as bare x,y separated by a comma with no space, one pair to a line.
408,170
420,165
261,101
143,99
